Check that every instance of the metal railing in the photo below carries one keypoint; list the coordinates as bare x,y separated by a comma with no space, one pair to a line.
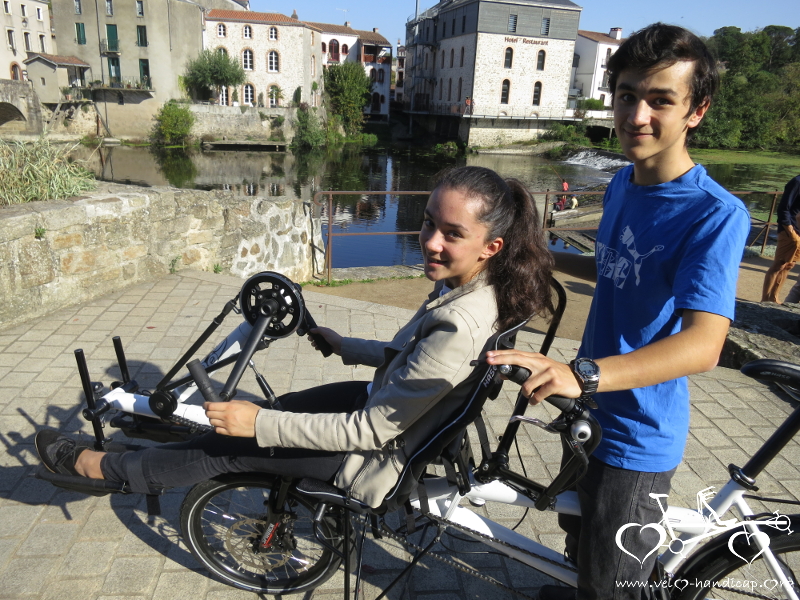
107,45
546,216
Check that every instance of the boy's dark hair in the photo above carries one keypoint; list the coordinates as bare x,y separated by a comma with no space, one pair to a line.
660,45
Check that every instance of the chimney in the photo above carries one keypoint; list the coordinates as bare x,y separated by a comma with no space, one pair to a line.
347,24
616,33
374,30
294,15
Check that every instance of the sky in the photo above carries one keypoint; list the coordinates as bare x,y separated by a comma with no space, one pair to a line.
700,16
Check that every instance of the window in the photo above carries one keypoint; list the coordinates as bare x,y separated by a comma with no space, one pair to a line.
44,82
324,48
273,66
443,59
39,16
512,23
462,57
546,26
26,38
313,66
247,32
80,34
605,79
449,90
42,46
463,23
452,57
78,7
247,60
273,33
333,46
248,95
312,37
537,93
144,73
540,60
453,27
345,49
458,99
509,58
576,61
16,72
381,76
23,10
504,93
141,35
10,39
221,30
139,8
372,74
274,96
6,7
222,50
110,8
223,96
441,88
426,61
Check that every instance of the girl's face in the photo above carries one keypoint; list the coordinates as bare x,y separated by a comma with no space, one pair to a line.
453,241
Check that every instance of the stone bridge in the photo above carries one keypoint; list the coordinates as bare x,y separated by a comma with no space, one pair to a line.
20,111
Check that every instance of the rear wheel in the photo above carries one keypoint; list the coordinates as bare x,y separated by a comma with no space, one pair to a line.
223,522
731,576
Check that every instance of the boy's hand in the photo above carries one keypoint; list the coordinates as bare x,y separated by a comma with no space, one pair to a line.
549,376
236,418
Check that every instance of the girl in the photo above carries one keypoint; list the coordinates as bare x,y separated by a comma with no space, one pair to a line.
484,249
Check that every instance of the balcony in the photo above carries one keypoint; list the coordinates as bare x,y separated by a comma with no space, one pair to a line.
125,83
109,46
371,58
333,57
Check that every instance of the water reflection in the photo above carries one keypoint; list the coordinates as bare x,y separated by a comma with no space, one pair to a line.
351,167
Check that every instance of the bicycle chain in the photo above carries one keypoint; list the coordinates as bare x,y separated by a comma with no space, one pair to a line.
464,568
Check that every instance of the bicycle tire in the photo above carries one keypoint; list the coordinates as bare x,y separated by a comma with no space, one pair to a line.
222,519
728,576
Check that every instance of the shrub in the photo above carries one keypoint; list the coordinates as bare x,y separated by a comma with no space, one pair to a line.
40,171
591,104
173,125
212,70
348,89
308,132
573,134
448,148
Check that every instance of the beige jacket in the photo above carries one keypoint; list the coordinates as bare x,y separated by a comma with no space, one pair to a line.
427,359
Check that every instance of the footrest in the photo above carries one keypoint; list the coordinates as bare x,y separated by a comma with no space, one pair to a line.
84,485
330,494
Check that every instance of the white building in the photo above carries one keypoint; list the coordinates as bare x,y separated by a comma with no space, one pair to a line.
400,73
502,67
27,29
279,54
340,43
593,49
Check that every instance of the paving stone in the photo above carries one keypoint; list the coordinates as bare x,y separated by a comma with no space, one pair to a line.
26,576
131,575
88,559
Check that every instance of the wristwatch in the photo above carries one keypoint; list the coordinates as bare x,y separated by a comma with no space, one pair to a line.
587,373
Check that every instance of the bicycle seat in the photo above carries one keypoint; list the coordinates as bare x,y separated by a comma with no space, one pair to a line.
776,371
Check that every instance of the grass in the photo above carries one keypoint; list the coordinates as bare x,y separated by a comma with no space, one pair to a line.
40,171
343,282
749,157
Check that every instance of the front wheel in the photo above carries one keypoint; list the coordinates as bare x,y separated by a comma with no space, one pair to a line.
745,575
223,522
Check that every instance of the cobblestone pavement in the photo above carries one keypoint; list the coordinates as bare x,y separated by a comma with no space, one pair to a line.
61,545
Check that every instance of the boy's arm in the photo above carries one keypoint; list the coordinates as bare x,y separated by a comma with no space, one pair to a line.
576,265
694,349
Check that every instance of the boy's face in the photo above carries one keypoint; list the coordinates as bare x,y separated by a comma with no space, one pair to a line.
651,113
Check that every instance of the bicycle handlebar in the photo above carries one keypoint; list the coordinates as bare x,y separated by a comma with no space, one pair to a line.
203,381
520,374
322,344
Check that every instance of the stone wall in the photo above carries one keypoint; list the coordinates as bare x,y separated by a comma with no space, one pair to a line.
240,122
24,103
72,118
120,235
497,132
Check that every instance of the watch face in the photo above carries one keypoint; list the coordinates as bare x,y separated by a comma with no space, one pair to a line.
586,368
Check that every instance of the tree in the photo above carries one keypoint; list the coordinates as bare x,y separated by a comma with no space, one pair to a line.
173,125
212,70
348,88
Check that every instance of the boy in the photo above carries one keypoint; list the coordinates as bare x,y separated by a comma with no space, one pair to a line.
668,250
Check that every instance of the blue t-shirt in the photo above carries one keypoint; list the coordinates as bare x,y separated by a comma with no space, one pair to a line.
660,249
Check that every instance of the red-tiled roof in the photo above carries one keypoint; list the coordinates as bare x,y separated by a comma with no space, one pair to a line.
66,61
371,37
603,38
247,16
330,28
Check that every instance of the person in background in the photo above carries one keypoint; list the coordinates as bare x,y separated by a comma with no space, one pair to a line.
788,250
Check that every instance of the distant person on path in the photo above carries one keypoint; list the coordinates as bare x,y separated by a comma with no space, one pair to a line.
788,251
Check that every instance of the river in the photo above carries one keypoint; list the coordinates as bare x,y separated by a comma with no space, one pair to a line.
376,169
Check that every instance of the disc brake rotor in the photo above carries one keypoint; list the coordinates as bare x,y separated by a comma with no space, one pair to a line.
243,538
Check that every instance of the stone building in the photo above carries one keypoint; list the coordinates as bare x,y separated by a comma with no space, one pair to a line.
26,25
137,51
55,77
279,54
340,43
593,49
400,73
499,69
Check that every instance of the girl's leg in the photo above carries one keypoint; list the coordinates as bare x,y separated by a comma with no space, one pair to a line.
186,463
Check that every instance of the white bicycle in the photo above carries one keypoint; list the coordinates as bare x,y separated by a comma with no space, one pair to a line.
279,536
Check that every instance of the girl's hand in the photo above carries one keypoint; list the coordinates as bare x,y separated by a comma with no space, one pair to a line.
548,377
236,418
333,338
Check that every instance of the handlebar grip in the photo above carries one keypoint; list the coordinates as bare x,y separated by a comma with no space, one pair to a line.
322,344
515,373
90,414
203,381
563,404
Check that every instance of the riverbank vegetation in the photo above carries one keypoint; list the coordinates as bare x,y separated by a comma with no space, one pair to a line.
348,89
210,71
758,105
173,125
40,171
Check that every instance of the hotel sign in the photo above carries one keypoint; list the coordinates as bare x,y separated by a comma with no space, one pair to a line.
514,40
